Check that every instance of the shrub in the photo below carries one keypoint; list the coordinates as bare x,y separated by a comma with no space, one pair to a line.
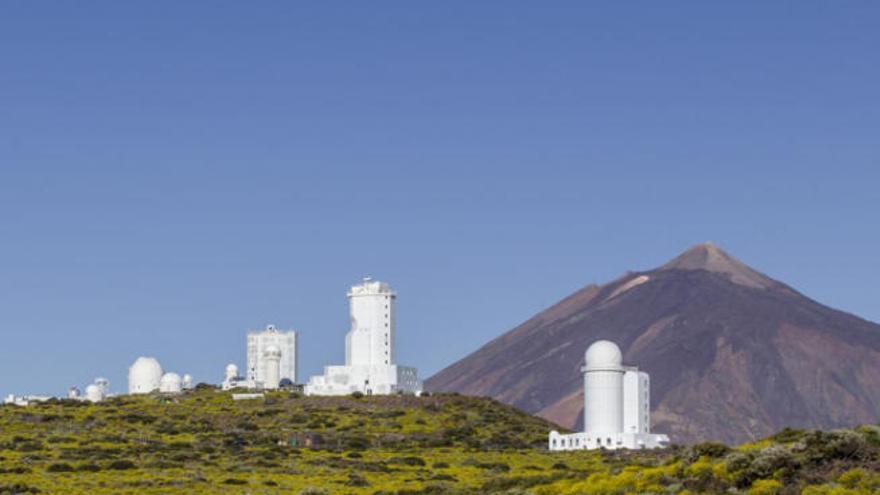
355,479
765,487
408,461
234,481
357,395
121,465
60,467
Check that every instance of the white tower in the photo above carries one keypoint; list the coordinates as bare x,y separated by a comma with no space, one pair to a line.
370,366
187,381
370,341
144,375
95,393
616,405
603,388
272,356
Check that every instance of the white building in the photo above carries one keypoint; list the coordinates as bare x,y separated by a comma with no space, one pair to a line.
25,400
271,357
146,376
617,402
369,349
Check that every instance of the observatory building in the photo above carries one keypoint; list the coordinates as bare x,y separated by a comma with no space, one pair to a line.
369,349
271,357
617,405
146,376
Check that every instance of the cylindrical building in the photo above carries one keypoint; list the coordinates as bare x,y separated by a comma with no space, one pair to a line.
272,358
170,383
603,388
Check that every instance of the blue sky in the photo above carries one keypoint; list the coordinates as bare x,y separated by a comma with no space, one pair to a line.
175,173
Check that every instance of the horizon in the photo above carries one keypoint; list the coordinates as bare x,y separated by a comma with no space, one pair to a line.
175,175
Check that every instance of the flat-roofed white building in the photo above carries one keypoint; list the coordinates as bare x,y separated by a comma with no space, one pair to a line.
369,348
271,357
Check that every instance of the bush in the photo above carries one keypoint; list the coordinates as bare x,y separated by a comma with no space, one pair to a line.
60,467
357,395
765,487
121,465
408,461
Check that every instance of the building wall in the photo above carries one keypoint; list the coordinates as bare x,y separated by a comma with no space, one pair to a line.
257,342
636,402
608,441
603,401
370,341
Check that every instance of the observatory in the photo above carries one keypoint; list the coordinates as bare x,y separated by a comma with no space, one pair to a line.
369,349
146,376
617,409
266,369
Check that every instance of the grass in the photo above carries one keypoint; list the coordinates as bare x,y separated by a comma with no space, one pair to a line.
204,442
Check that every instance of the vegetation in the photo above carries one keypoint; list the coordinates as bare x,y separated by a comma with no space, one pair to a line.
204,442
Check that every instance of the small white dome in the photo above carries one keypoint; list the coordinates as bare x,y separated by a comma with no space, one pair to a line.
170,383
94,393
187,381
603,354
231,371
144,375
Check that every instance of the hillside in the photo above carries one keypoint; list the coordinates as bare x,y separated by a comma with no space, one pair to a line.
204,442
733,354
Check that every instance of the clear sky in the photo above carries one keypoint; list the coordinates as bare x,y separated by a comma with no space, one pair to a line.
175,173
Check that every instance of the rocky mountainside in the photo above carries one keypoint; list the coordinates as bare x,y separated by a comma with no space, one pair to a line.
733,354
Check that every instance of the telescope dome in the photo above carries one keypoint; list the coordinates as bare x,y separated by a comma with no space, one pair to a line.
144,375
170,383
603,354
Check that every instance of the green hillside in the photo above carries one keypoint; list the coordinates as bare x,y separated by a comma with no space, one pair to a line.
204,442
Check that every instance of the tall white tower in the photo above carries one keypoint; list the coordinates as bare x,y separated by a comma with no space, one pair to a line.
370,342
272,356
603,388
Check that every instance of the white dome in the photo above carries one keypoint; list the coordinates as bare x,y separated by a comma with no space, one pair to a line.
187,381
231,371
144,375
603,354
94,393
170,383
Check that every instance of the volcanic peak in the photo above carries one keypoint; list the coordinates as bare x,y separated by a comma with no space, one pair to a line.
711,258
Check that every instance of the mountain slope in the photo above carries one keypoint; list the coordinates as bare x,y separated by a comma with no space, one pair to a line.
733,354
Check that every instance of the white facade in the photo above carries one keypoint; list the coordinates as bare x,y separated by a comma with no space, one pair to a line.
171,383
272,367
26,400
616,405
369,349
257,363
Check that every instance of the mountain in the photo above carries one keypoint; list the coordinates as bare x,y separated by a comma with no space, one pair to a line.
733,354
